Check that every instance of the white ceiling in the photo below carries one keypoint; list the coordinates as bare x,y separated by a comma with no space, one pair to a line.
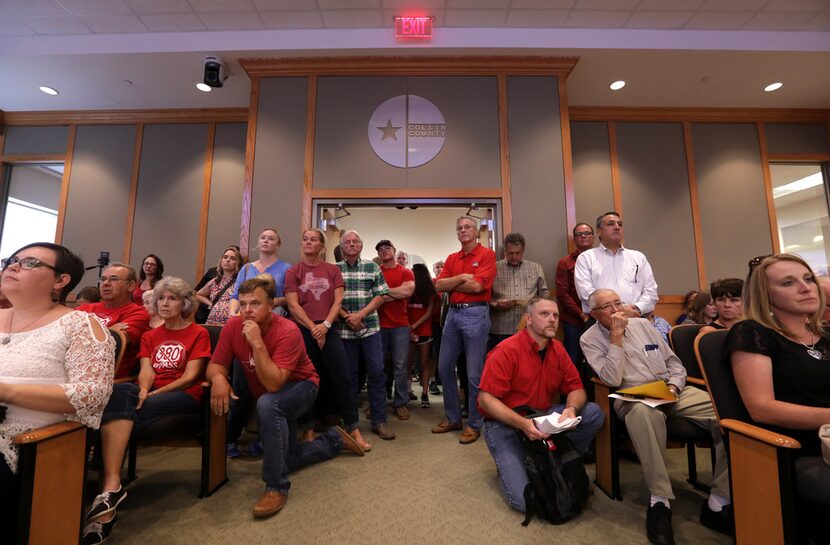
114,54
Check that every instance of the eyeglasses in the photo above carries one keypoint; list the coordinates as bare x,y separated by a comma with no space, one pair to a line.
27,263
583,233
111,279
609,306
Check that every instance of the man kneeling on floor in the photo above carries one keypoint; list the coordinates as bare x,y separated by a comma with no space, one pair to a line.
531,368
283,381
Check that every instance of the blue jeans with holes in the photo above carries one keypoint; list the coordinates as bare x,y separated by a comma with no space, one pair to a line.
371,348
282,452
507,451
466,330
396,341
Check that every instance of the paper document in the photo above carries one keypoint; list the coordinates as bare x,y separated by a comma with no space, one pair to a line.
550,423
657,389
650,401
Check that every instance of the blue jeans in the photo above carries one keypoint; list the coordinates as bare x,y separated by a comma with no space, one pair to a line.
371,348
124,398
281,451
466,330
396,341
509,457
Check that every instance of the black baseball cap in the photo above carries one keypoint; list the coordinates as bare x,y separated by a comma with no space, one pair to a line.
383,242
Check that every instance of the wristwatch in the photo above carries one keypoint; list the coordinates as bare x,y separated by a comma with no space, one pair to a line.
327,324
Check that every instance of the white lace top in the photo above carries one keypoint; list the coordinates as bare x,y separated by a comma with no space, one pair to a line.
64,352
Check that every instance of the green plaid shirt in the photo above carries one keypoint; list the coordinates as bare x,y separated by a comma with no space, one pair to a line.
363,282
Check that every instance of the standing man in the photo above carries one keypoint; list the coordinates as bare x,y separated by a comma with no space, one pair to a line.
360,326
570,307
612,266
282,379
517,281
394,322
531,368
117,310
468,278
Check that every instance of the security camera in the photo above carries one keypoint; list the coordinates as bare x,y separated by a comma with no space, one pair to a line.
215,73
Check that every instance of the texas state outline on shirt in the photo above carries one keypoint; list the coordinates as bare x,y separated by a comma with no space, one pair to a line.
317,286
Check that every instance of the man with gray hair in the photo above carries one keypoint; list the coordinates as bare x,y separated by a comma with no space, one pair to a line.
517,281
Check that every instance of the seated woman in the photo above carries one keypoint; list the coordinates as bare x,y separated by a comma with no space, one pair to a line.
55,363
781,359
703,310
728,297
216,294
173,359
147,302
152,270
687,306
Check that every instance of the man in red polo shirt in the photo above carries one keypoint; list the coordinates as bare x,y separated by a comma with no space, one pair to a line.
282,379
468,277
531,368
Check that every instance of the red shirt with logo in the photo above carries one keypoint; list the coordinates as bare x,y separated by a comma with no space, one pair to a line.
314,286
284,343
393,313
169,350
481,263
415,312
137,320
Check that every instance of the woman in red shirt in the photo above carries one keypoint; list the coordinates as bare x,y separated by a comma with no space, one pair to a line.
419,310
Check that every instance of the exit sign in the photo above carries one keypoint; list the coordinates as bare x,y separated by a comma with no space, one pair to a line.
413,27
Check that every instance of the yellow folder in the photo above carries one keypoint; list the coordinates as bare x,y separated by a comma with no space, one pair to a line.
657,389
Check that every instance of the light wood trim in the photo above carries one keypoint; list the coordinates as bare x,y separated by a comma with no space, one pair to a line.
695,202
504,157
407,193
47,432
773,219
799,157
2,161
128,230
126,117
411,66
205,212
248,177
670,299
567,161
308,162
67,172
755,432
700,115
34,158
615,166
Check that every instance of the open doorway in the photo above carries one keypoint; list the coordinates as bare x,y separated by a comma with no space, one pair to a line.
424,229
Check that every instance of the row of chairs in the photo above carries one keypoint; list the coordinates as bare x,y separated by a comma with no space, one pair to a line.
55,458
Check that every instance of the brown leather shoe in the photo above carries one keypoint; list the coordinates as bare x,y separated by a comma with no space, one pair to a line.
469,435
383,431
348,441
358,438
269,504
444,426
402,412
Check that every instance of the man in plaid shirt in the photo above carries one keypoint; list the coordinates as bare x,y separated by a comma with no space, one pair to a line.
360,325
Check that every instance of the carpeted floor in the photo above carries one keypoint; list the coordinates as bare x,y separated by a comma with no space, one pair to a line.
419,489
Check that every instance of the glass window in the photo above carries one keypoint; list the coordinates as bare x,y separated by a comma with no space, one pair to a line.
31,209
801,210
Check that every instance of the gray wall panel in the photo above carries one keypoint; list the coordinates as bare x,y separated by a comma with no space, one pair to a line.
656,206
36,140
733,205
99,192
537,176
169,198
593,192
224,215
797,138
278,163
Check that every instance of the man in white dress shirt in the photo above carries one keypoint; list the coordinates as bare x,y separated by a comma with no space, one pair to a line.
612,266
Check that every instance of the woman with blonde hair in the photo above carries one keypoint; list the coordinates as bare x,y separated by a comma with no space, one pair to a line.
267,262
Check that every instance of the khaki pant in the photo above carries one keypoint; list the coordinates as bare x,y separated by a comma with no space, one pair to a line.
647,429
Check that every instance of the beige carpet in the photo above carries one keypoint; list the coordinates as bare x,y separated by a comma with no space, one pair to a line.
420,489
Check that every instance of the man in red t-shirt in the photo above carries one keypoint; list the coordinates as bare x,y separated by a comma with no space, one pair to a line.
531,368
468,278
117,310
282,379
394,322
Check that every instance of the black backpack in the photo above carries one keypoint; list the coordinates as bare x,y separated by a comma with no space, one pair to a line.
559,485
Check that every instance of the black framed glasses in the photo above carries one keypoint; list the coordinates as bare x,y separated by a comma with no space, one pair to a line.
27,263
584,233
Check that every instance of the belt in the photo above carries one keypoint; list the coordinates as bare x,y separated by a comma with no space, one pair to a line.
465,305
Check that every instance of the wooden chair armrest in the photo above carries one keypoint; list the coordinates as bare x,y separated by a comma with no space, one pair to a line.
699,382
47,432
760,434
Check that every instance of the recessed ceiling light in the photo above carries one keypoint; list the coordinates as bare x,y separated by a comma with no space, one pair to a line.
773,86
48,90
617,85
203,87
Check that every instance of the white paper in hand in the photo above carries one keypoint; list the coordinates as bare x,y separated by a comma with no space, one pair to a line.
550,423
